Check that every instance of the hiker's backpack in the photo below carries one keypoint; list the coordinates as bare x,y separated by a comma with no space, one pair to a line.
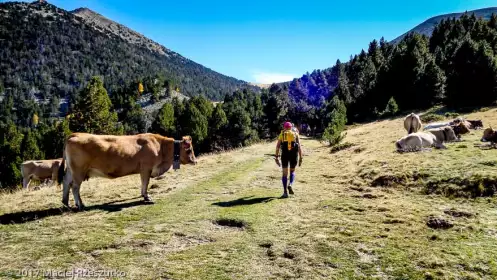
290,138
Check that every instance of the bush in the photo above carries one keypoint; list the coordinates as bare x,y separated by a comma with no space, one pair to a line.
431,118
451,115
391,109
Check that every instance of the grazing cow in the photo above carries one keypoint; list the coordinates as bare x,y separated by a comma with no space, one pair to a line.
412,123
150,155
40,170
489,135
418,140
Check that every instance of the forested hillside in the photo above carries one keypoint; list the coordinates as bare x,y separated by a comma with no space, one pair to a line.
456,66
48,54
427,26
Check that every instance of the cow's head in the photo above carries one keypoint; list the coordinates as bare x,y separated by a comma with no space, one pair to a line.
489,134
460,128
477,123
457,120
450,134
186,154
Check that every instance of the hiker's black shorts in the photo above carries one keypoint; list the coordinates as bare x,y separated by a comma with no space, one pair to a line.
289,158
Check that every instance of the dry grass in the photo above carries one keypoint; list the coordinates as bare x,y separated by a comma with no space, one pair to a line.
223,218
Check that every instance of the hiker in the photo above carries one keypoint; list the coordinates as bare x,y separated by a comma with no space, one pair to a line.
289,142
294,128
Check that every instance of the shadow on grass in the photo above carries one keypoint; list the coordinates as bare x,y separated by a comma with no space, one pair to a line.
243,201
28,216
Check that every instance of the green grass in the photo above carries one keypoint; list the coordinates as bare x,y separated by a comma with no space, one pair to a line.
358,213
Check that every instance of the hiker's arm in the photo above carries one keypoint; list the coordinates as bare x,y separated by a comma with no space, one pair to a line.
277,153
300,149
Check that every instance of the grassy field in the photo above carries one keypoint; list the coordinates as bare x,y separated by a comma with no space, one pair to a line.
358,213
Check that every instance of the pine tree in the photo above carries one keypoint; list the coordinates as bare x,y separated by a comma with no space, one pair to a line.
492,23
92,111
338,118
194,123
10,155
239,124
205,106
472,78
391,109
342,90
29,147
54,138
376,55
431,86
164,122
179,110
217,129
218,120
275,110
133,117
169,88
6,106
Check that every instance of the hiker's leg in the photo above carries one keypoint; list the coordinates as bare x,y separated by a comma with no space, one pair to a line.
284,180
292,178
293,165
284,177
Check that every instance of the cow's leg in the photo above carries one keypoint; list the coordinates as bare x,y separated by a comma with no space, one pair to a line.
55,173
77,198
65,188
439,145
145,178
25,183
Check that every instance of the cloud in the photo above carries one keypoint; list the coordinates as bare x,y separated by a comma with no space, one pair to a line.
269,78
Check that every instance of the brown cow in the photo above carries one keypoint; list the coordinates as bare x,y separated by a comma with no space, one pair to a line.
475,124
461,128
489,135
40,170
471,124
150,155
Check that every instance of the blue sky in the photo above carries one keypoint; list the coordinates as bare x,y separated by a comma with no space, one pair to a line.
270,41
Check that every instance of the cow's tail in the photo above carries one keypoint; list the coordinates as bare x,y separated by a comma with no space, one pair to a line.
62,170
411,125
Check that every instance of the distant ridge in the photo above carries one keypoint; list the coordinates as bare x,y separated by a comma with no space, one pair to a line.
426,27
102,23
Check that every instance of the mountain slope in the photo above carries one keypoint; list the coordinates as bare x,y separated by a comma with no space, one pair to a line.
427,26
104,24
47,52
